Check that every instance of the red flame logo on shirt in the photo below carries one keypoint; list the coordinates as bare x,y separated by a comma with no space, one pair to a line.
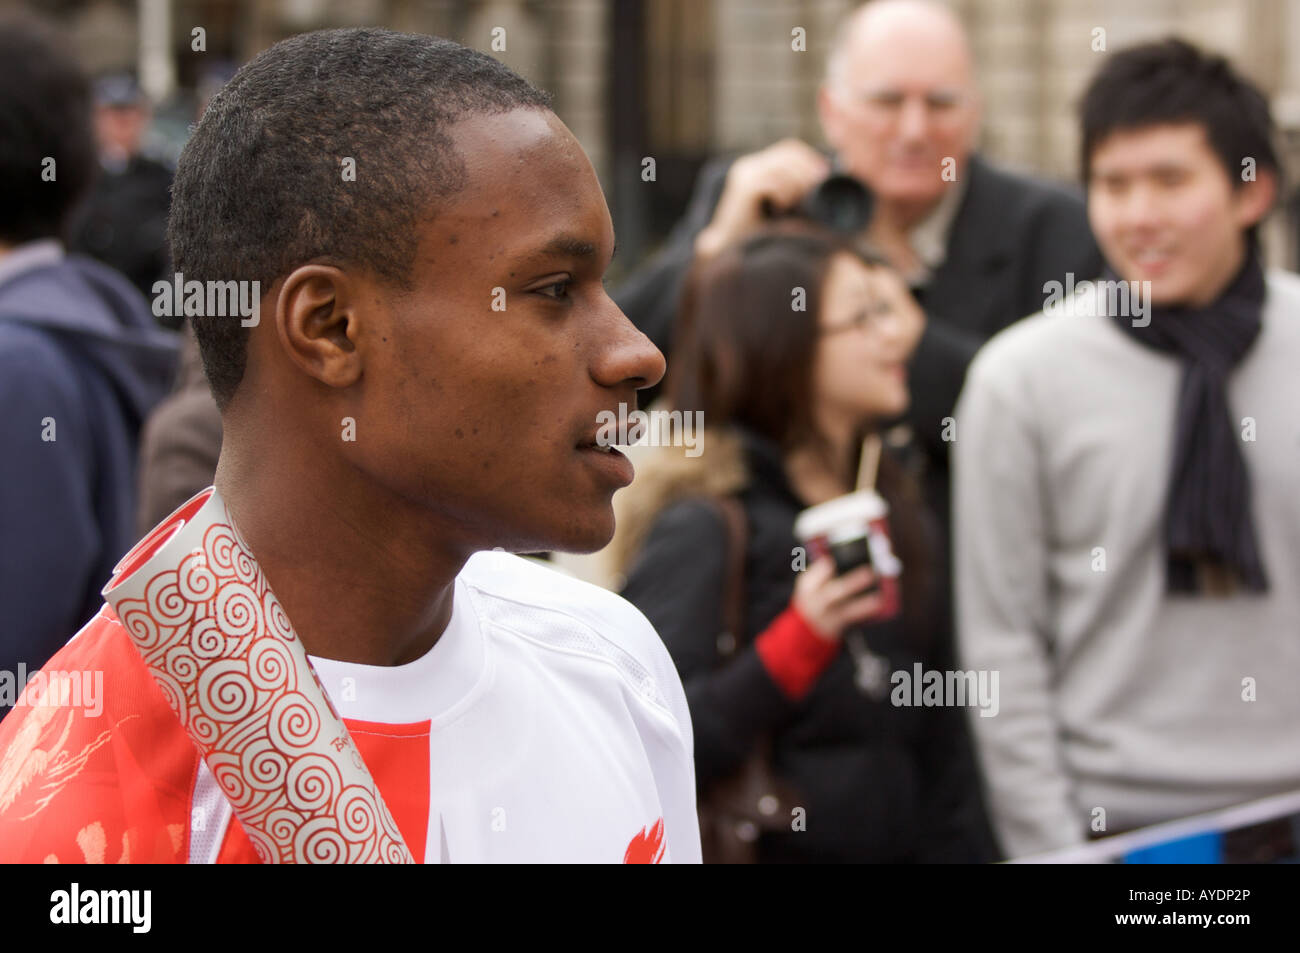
647,846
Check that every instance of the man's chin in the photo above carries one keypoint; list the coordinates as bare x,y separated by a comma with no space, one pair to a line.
592,539
913,189
1161,292
586,531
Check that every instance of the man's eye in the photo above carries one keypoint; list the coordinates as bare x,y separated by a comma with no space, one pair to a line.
889,99
561,289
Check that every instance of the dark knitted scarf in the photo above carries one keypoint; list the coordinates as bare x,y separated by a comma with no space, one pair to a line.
1209,532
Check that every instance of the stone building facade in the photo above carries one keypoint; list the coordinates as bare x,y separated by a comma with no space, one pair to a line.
679,80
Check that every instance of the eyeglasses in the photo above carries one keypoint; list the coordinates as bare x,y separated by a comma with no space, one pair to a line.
942,101
872,318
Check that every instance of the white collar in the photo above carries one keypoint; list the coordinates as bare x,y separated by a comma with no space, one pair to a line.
929,238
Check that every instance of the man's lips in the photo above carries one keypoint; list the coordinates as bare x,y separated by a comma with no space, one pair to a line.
914,160
608,463
596,444
1151,255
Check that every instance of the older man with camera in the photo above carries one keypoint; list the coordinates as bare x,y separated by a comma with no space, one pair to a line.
900,111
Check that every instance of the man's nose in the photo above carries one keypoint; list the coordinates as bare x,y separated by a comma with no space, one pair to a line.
627,356
1140,208
913,120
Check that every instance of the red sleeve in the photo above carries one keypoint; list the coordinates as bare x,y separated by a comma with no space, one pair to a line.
793,654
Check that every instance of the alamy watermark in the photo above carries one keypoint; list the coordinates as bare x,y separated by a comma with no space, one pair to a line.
935,689
130,907
42,689
214,299
655,428
1121,299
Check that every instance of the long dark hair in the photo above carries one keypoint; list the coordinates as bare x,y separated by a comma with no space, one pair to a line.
743,352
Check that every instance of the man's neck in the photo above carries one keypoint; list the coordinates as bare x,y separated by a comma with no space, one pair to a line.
1230,268
896,228
360,582
905,216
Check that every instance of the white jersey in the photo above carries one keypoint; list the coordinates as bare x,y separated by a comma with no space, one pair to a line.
547,724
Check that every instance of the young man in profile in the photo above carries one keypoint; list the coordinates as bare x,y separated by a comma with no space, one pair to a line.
1127,545
383,423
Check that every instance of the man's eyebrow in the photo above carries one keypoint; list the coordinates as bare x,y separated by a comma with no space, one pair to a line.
569,246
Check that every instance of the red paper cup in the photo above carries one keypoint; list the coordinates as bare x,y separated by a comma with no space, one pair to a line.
854,531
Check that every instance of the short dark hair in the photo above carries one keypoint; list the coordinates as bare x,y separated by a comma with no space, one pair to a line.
259,188
44,114
1171,81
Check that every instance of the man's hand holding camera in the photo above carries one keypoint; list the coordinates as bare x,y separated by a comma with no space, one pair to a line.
776,178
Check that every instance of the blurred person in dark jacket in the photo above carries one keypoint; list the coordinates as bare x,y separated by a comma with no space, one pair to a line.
788,395
81,363
124,221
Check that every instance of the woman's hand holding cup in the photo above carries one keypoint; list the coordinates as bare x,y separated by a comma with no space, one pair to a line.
831,603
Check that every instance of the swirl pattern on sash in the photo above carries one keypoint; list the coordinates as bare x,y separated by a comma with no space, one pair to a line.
207,640
194,579
140,624
263,767
239,611
227,660
295,725
319,841
166,603
314,782
270,665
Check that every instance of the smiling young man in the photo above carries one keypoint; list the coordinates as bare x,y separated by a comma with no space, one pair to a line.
1127,516
433,350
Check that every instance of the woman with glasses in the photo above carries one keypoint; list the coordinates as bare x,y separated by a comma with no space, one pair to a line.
794,345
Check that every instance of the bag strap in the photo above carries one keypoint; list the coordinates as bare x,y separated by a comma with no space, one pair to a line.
733,592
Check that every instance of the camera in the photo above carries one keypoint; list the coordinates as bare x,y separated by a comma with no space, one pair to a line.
839,202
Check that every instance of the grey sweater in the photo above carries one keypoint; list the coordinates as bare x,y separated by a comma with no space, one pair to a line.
1115,694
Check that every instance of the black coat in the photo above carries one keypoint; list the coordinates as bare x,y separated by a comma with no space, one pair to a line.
879,783
124,223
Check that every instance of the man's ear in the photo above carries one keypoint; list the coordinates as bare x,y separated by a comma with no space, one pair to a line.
318,324
1254,198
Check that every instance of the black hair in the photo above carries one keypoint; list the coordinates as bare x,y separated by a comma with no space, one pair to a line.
1171,81
260,186
45,115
